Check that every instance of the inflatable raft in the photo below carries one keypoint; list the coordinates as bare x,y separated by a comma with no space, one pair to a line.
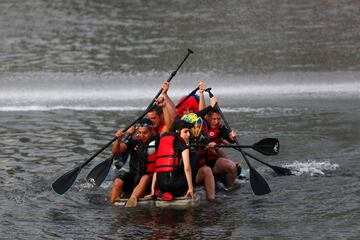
183,202
177,202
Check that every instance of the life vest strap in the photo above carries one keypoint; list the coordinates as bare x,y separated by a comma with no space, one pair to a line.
166,156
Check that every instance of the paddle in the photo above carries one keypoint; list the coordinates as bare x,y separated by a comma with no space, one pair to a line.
171,76
279,170
64,182
266,146
257,182
98,174
276,147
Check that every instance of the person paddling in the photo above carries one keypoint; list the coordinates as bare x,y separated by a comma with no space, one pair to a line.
223,167
156,115
142,160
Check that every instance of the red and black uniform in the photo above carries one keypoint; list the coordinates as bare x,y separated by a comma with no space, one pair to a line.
142,162
170,176
216,135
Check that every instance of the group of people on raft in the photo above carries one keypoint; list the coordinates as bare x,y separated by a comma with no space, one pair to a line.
165,159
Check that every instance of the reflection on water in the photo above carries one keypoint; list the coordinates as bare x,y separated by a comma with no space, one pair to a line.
166,223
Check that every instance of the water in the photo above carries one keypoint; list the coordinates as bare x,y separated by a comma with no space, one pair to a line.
72,73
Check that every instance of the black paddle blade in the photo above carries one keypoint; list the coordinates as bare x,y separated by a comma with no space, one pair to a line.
99,173
268,146
258,183
282,171
63,183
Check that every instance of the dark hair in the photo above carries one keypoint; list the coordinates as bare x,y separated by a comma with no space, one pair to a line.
214,110
158,110
180,124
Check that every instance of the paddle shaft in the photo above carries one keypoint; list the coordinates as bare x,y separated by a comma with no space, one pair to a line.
148,109
228,126
171,76
265,163
224,146
114,139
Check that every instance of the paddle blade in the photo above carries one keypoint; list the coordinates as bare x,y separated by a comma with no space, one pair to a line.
268,146
282,171
258,183
63,183
99,173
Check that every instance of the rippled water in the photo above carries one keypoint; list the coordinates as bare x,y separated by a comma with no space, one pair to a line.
74,72
321,147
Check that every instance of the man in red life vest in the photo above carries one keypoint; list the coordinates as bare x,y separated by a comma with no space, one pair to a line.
217,159
156,115
142,163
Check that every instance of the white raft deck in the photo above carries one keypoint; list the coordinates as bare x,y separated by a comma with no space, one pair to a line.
177,202
183,202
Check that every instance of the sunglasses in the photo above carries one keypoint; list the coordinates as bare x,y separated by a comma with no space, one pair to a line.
143,125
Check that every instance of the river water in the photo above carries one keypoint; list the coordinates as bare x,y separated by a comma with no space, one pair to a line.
74,72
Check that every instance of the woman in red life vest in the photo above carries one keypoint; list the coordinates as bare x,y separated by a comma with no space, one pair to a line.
172,175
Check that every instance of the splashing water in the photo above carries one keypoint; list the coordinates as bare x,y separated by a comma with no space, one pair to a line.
312,167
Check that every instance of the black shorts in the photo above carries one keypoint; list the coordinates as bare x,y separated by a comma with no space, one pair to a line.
195,164
211,163
130,180
174,183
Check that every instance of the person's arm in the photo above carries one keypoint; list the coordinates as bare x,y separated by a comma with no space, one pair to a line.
168,119
169,104
187,169
202,86
118,146
206,110
227,135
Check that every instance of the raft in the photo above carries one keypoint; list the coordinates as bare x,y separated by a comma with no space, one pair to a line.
177,202
183,202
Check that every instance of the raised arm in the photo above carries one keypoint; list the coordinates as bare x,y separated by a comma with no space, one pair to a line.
169,103
202,86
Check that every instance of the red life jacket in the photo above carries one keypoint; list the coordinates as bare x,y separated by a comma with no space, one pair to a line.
214,135
166,159
151,158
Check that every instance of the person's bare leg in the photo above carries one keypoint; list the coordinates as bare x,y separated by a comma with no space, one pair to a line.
227,167
138,191
206,177
116,190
